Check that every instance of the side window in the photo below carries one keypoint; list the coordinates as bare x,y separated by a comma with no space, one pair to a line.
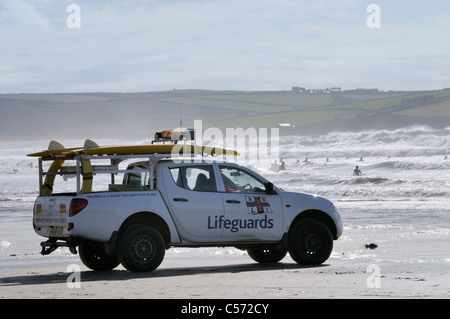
138,178
195,178
238,181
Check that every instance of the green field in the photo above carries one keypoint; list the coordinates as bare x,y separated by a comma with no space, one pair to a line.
258,102
142,114
302,109
434,110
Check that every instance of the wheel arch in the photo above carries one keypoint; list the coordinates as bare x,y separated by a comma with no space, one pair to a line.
317,215
148,218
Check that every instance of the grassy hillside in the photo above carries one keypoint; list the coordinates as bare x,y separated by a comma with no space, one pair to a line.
420,108
139,115
440,109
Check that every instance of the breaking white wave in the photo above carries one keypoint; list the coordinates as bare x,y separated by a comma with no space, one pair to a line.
5,244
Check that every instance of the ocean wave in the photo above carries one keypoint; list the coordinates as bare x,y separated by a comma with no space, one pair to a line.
5,244
374,190
358,180
370,180
412,141
409,165
353,180
9,199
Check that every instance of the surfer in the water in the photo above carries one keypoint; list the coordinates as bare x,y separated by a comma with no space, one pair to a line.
282,166
356,171
274,167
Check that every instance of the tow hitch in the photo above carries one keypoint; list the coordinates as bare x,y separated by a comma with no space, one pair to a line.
52,244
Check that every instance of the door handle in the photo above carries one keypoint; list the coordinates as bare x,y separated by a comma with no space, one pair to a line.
233,201
177,199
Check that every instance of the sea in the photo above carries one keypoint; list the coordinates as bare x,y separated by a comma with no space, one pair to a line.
402,195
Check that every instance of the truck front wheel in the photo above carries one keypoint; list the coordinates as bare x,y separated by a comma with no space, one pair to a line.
141,248
310,242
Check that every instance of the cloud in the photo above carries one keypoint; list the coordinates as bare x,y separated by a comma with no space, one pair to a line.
157,45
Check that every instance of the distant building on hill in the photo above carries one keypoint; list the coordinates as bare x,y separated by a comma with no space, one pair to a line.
297,89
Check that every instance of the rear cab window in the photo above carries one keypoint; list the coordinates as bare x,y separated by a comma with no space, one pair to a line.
198,178
139,178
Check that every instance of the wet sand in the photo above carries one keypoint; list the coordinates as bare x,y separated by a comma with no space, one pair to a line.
400,269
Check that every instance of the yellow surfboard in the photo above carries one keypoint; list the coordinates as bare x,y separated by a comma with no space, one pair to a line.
91,148
55,148
178,149
55,152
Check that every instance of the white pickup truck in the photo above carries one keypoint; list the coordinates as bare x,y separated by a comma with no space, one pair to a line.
165,202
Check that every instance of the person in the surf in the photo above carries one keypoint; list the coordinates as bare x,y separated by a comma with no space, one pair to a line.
356,171
274,167
282,166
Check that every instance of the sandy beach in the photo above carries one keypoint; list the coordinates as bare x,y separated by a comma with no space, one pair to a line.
395,269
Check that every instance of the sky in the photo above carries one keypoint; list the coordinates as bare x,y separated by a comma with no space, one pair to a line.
48,46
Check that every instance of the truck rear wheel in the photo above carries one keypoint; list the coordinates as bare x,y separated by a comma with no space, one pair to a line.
94,257
267,255
141,248
310,242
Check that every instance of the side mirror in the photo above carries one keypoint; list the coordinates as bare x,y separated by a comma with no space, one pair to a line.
269,188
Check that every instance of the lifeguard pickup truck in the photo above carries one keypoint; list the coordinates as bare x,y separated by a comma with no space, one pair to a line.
149,198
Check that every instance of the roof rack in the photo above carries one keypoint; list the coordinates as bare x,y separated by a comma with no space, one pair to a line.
84,171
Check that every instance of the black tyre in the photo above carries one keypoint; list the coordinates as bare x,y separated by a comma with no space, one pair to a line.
94,257
310,242
267,255
141,248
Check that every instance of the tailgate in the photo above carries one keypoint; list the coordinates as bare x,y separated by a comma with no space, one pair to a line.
50,215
